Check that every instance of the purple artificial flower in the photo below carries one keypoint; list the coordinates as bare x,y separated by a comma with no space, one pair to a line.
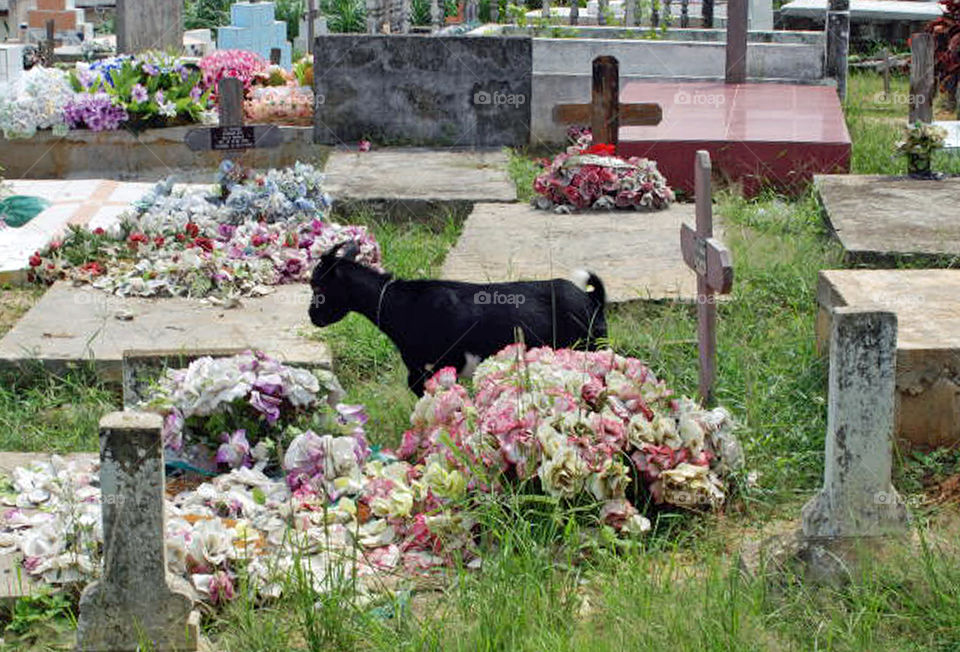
221,588
172,433
95,111
235,451
271,384
226,231
139,93
195,93
158,97
268,406
150,69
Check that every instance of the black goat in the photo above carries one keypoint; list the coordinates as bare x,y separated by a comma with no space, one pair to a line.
436,324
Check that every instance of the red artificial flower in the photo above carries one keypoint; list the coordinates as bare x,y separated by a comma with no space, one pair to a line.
192,230
138,237
204,243
93,268
181,237
158,241
98,231
54,245
36,260
257,240
601,149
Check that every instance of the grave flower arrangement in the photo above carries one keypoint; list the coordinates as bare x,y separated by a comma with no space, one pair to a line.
591,176
234,411
251,232
245,66
34,102
151,89
920,141
586,429
590,427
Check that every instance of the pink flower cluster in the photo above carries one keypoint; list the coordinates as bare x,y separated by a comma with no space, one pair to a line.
240,64
580,426
592,176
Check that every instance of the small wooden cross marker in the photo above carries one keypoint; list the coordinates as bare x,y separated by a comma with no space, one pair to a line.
232,134
605,114
712,262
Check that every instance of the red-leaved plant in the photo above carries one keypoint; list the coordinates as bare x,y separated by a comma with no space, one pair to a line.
946,31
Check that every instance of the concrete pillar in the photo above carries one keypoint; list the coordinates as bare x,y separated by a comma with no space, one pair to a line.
154,25
135,600
857,498
838,43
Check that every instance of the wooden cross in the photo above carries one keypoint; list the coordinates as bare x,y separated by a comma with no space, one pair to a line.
712,262
232,135
605,114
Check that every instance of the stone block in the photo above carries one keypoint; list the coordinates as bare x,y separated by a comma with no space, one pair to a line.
228,38
55,5
423,90
154,25
136,598
927,305
252,14
858,498
11,62
95,333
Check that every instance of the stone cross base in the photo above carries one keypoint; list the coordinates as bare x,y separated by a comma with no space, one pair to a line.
164,621
137,604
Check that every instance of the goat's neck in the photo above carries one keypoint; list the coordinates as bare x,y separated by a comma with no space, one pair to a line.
368,288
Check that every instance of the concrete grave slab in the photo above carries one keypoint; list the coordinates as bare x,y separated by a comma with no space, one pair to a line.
406,181
927,305
881,218
84,202
74,324
636,254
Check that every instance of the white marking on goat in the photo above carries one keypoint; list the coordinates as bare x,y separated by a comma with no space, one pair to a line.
470,366
581,278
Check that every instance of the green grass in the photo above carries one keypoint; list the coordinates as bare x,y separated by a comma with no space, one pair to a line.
547,584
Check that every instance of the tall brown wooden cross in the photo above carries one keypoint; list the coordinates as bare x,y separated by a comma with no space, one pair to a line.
605,114
712,262
232,135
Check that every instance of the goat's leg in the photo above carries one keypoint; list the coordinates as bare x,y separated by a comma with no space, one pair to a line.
416,379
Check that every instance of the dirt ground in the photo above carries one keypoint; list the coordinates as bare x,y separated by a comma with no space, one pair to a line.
14,301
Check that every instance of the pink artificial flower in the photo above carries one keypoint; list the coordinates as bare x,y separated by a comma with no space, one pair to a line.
221,588
364,146
267,405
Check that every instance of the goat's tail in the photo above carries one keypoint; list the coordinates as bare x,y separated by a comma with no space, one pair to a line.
592,285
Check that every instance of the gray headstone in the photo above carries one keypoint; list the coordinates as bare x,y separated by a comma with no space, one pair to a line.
154,25
838,43
858,498
761,14
423,90
136,604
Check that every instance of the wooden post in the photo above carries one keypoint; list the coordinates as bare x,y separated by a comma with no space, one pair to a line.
230,99
655,13
706,14
684,13
885,71
714,267
736,65
923,81
605,120
311,19
49,45
605,113
574,12
838,43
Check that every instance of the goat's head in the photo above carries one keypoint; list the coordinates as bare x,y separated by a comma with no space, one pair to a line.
330,284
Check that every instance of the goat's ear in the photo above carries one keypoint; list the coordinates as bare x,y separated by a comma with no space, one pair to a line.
350,251
332,252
